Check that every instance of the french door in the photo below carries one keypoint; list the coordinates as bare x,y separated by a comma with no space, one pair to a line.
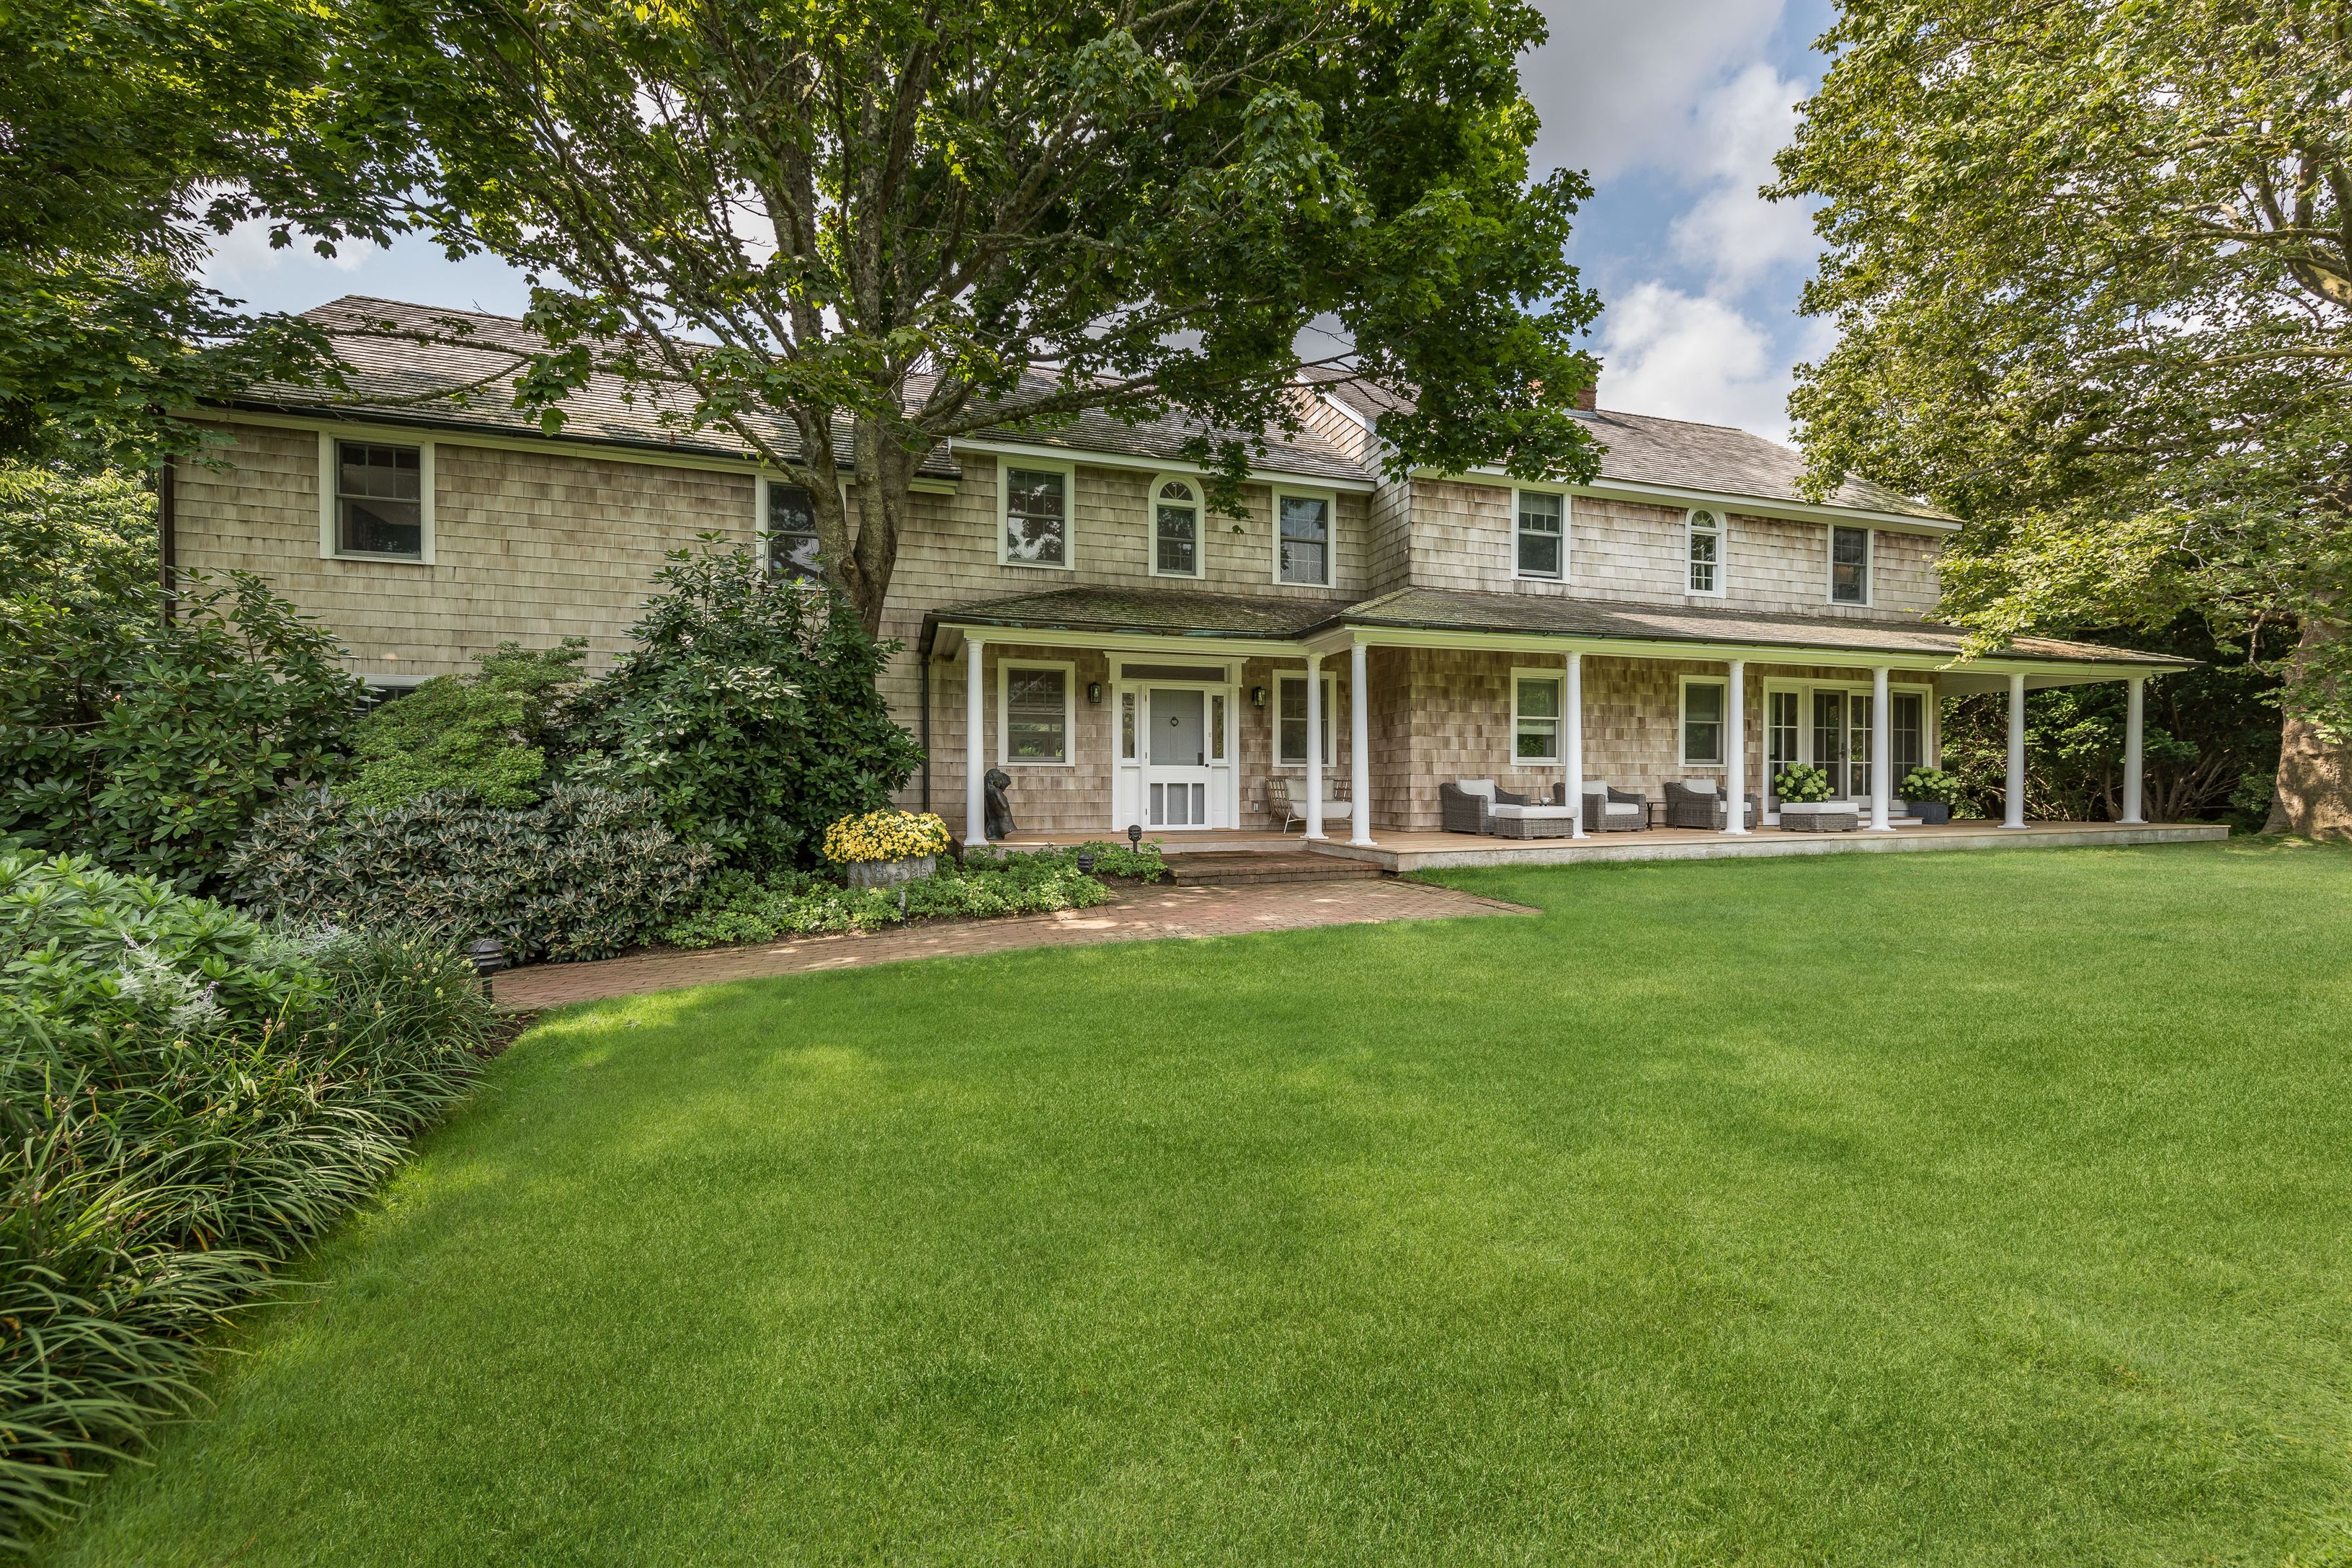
1829,728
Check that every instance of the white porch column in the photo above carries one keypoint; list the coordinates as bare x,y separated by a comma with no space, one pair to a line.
2134,719
1575,717
1881,753
1359,745
975,742
1735,759
2016,815
1314,745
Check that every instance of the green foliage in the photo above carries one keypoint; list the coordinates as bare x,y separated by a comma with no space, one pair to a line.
486,733
1142,863
2091,268
83,543
1933,784
750,709
737,906
150,745
185,1098
1804,784
583,873
1083,207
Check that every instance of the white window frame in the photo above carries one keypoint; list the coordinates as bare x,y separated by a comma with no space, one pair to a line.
1558,679
1869,564
1566,530
1330,720
1722,532
1331,499
1069,472
330,534
1004,668
1722,723
762,513
1200,527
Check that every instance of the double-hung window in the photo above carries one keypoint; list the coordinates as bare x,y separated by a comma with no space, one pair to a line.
792,531
1302,538
1703,722
379,500
1036,517
1543,535
1175,528
1703,546
1535,716
1036,706
1290,721
1849,566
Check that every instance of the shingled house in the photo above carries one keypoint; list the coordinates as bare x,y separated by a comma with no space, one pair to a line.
1070,611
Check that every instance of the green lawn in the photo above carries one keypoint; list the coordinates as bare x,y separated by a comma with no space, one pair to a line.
1861,1209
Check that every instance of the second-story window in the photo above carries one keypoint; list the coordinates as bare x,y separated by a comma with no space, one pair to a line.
1704,548
792,532
1176,529
379,499
1543,535
1303,529
1036,517
1850,565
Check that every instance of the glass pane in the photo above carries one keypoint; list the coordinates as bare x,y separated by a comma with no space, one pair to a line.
1703,702
1849,566
1178,543
1217,728
1703,562
792,531
1538,554
1539,699
383,527
381,509
1035,717
1034,516
1828,737
1858,744
1175,489
1702,740
1290,718
1909,718
1127,724
392,473
1305,523
1538,740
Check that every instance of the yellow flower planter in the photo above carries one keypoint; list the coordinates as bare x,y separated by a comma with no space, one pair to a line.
883,848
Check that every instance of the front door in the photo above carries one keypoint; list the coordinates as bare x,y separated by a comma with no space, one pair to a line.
1177,782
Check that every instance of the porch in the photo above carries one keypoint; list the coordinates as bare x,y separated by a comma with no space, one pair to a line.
1403,851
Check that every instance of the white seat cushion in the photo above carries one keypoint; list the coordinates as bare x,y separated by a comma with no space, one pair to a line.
1622,808
1534,812
1338,808
1476,786
1699,786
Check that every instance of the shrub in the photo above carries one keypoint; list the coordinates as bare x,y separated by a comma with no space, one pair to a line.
1805,784
885,835
1931,785
488,733
185,1098
81,542
739,907
583,873
749,708
150,746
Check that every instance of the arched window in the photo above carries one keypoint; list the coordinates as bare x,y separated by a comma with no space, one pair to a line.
1706,551
1175,527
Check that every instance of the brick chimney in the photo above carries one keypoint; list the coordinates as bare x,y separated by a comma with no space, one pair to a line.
1590,398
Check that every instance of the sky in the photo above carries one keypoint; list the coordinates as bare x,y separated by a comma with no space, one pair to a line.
1674,106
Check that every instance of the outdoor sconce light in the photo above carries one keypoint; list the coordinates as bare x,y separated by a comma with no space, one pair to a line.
1094,693
488,955
1257,695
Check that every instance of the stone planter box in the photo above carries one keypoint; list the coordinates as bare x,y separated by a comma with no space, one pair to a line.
1819,816
1934,812
890,873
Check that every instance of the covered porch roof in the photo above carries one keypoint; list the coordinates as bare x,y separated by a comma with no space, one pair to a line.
1523,623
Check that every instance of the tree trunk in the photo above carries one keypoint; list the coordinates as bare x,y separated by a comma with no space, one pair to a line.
2315,773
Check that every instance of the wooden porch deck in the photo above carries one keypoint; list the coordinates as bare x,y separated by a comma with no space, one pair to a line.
1401,852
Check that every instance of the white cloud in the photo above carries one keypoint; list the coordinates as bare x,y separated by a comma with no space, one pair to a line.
1730,232
1614,81
1689,357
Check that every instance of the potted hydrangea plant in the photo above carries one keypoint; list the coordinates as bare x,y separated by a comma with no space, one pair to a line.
1808,804
1931,792
883,848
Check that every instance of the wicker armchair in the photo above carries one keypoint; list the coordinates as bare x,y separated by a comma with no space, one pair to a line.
1600,818
1688,807
1469,806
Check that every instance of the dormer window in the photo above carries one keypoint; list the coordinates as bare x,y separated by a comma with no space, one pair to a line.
1542,548
1703,551
1175,528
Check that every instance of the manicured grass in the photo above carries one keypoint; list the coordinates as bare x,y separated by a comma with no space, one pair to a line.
1862,1209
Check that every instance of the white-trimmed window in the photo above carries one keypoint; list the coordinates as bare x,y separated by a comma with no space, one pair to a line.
790,527
376,499
1541,539
1704,534
1034,499
1536,710
1290,721
1302,537
1705,701
1036,713
1849,566
1176,532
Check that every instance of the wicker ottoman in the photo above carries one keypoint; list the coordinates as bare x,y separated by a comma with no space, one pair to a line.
1820,816
1531,821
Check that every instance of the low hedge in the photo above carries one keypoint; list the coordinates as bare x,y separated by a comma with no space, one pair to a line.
186,1099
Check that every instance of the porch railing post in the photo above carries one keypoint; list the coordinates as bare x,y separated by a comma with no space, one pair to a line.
1735,757
1882,754
1575,706
2016,812
1359,745
2135,717
975,760
1314,745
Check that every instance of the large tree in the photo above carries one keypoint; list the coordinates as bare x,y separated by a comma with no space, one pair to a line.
2091,263
910,220
133,133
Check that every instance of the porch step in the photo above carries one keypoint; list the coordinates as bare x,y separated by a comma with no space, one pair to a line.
1236,867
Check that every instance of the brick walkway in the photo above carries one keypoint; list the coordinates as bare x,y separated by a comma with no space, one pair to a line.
1136,915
